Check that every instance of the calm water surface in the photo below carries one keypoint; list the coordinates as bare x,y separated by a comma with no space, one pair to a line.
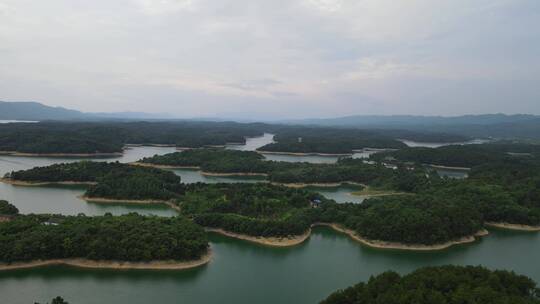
245,273
240,272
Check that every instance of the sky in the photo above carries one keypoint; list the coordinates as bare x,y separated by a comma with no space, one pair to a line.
272,59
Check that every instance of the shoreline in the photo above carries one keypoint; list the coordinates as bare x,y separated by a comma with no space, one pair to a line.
232,174
103,200
15,153
298,239
150,165
320,185
41,183
448,167
207,173
151,145
400,246
118,265
518,227
304,154
267,241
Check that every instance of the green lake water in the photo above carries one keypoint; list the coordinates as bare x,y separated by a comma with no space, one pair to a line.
240,272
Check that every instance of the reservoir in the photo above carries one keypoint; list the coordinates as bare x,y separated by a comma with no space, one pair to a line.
245,273
240,272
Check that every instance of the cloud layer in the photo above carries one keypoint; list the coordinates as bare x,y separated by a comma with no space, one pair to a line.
272,59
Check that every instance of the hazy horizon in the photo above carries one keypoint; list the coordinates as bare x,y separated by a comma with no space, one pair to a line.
266,60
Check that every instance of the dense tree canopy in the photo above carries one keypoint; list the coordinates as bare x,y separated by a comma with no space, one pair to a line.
126,238
113,180
7,209
329,140
254,209
345,170
441,285
214,160
462,155
107,137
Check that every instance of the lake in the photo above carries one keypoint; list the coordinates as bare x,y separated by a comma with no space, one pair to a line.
64,200
240,272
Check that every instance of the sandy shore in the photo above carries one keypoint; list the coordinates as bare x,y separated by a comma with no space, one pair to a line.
513,226
162,166
15,153
25,183
401,246
369,192
268,241
232,174
198,168
295,240
448,167
128,201
85,263
322,185
303,154
151,145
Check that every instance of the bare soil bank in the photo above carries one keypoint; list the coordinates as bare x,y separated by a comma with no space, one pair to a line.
15,153
128,201
513,226
304,154
42,183
401,246
268,241
85,263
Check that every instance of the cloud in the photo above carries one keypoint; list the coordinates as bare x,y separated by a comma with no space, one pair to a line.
310,57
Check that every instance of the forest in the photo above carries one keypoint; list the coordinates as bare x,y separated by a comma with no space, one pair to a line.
113,180
442,284
7,209
462,155
258,209
214,160
108,137
123,238
329,140
345,170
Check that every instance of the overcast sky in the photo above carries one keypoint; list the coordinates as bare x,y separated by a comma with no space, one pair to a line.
273,58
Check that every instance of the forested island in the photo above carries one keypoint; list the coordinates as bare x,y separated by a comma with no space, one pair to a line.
128,241
331,141
465,156
264,213
109,138
113,180
219,161
430,213
443,284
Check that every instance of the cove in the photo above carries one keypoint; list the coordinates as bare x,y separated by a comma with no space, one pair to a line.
241,272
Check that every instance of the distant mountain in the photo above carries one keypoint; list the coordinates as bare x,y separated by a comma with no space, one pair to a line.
522,126
37,111
404,120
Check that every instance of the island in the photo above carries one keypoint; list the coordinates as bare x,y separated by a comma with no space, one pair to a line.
93,139
105,181
411,207
119,242
328,141
442,284
346,170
